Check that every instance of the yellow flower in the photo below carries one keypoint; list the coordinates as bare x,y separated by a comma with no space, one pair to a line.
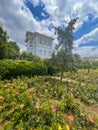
67,127
59,127
82,114
50,128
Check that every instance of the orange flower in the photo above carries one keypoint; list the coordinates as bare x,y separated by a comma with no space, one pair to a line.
1,98
71,118
21,106
53,109
71,94
91,119
4,104
17,92
30,96
79,102
37,105
43,84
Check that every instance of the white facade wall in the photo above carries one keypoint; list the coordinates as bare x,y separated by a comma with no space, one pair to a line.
40,45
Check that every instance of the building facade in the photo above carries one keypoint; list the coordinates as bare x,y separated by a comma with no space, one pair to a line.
39,44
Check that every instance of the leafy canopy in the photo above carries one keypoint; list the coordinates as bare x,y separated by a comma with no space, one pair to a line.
64,56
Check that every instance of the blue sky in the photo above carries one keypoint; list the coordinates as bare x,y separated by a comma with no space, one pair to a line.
19,16
37,11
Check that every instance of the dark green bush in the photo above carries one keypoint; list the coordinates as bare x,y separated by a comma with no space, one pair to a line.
13,68
52,70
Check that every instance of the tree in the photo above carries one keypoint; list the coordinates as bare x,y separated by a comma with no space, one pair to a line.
3,47
8,50
12,50
88,65
3,34
65,38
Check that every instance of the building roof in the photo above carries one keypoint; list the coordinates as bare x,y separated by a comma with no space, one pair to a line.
34,34
91,57
37,33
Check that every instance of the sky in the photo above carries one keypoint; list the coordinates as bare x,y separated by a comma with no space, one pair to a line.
19,16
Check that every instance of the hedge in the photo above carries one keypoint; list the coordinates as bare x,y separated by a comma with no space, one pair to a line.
51,70
13,68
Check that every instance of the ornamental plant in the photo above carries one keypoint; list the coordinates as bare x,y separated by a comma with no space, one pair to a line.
45,103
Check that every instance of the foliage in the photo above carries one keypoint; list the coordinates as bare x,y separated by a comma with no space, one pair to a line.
3,34
88,83
12,50
52,70
95,64
65,38
8,50
30,57
3,49
86,64
14,68
45,103
51,65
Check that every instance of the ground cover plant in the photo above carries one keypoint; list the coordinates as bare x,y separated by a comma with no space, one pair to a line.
46,103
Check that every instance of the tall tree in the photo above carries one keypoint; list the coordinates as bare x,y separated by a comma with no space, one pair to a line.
12,50
9,50
3,42
3,47
3,34
65,38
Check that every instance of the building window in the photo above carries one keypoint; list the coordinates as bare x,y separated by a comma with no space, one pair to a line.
44,42
30,45
49,53
49,43
30,52
40,52
44,52
40,40
34,52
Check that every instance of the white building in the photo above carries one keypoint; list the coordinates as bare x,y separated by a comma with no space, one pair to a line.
39,44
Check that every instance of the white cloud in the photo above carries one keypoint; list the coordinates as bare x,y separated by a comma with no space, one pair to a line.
90,37
86,51
17,18
43,14
87,38
34,2
67,9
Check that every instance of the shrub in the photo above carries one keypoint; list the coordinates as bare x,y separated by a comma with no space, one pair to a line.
14,68
52,70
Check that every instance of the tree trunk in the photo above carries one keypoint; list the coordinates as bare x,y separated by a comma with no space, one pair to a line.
61,76
88,70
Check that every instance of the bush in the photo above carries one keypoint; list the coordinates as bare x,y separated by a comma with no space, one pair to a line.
13,68
52,70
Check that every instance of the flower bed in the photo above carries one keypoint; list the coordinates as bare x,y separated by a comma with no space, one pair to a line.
44,103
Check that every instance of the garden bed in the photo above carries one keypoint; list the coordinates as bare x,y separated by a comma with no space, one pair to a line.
45,103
